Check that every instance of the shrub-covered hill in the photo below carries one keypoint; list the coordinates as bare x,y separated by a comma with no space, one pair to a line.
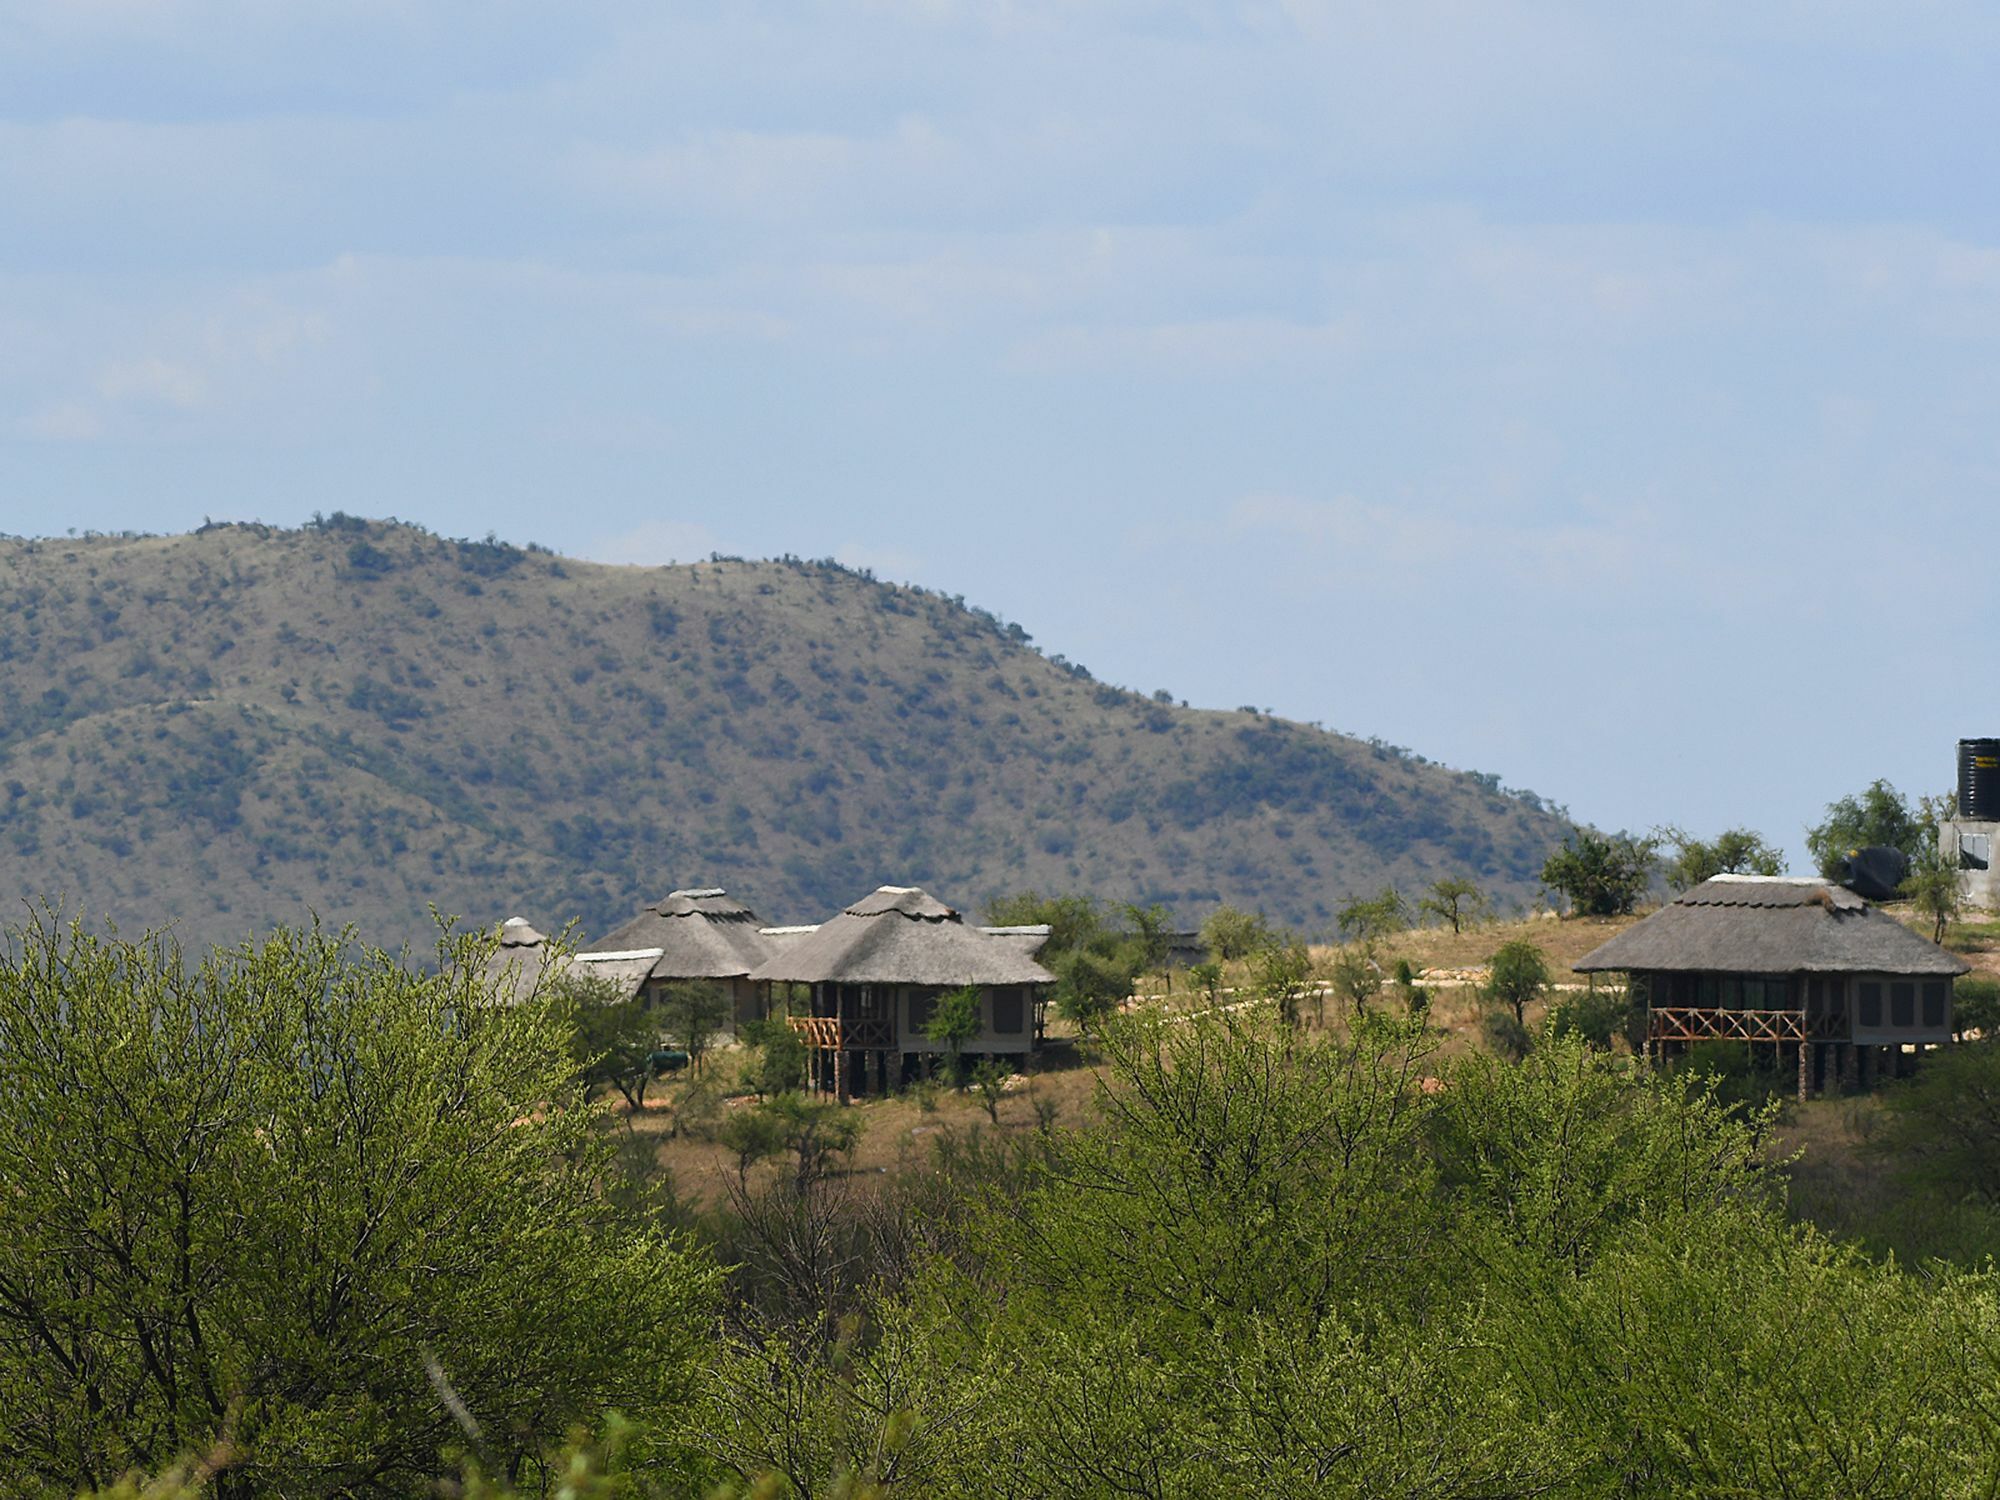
362,720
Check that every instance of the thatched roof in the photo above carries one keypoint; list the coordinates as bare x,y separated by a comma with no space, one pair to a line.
1769,924
697,934
901,935
623,974
1028,938
514,969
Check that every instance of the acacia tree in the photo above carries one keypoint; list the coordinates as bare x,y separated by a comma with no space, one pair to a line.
1455,900
1878,815
611,1039
695,1011
272,1196
1516,974
1372,917
1602,877
1734,851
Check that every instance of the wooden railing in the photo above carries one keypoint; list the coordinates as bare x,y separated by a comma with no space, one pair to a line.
836,1035
1701,1023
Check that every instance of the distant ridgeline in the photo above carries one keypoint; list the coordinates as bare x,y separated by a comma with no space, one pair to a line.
363,720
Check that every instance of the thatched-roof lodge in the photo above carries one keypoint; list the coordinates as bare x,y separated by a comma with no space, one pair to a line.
698,934
1789,962
514,968
874,972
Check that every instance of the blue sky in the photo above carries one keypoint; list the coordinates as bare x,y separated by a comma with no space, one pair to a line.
1604,396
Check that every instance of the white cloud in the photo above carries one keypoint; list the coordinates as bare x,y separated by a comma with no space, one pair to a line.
150,379
63,422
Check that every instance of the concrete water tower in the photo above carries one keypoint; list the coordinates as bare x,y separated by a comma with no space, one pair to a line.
1970,837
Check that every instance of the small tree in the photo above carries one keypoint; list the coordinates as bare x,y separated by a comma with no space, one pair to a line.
1516,974
1231,933
1416,999
1879,815
1356,976
990,1078
611,1039
1734,851
1602,877
694,1011
781,1057
1455,900
1283,973
954,1022
1374,916
1932,889
751,1135
1207,980
815,1131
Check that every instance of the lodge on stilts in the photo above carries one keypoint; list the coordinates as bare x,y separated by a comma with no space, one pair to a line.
1803,970
872,975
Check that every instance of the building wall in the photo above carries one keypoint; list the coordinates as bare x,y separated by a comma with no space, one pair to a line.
1980,887
1008,999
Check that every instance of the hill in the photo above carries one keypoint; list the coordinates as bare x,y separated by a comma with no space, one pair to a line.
361,719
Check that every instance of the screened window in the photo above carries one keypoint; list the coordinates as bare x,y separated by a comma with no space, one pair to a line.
922,1002
1009,1015
1902,1003
1868,998
1933,1003
1975,851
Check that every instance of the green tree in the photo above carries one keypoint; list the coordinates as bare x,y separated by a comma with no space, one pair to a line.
1454,900
1284,972
781,1057
1879,815
954,1021
1356,976
1231,933
267,1200
1517,974
1602,877
612,1040
990,1078
1375,916
1734,851
1975,1006
1933,890
695,1012
815,1131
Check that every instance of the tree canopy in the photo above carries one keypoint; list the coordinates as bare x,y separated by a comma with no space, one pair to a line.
277,1199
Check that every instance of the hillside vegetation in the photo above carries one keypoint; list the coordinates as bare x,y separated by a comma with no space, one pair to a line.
360,720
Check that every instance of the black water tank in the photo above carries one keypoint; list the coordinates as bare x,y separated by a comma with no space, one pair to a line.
1875,873
1979,780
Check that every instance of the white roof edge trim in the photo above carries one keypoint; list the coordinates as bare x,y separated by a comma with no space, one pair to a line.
625,954
810,927
1771,879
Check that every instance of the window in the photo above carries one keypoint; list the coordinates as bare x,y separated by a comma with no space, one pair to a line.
1902,1003
922,1002
1869,995
1008,1018
1975,851
1934,1003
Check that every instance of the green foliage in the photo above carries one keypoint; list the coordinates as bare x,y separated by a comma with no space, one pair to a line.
1878,815
1975,1007
1095,955
248,1200
1367,918
953,1022
815,1131
1735,851
990,1079
1505,1034
695,1012
1454,900
1731,1071
1602,877
1943,1126
1416,998
1932,889
1355,976
1597,1017
1207,980
1230,933
780,1067
1283,974
1517,974
611,1040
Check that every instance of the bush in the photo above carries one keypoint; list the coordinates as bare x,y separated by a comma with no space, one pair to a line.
1596,1016
266,1192
1516,974
1975,1006
1602,877
1504,1034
